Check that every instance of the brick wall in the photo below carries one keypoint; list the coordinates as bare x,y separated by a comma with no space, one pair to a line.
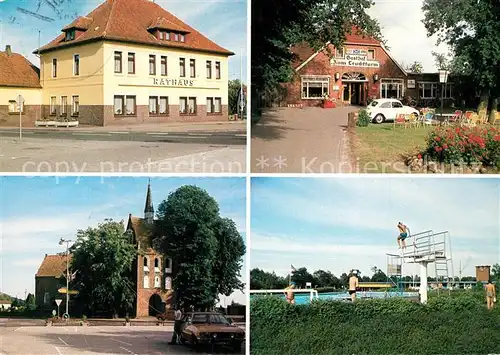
320,65
30,114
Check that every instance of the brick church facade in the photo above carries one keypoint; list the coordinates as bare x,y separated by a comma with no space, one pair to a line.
152,271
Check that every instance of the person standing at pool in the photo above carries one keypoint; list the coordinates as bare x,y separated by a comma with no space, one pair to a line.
404,232
353,285
491,295
290,294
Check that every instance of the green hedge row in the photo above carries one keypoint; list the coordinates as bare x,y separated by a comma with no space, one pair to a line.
446,325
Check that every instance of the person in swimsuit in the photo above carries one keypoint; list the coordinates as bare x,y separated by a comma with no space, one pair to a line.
491,295
290,295
353,285
403,234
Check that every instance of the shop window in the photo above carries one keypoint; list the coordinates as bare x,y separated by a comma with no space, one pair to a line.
75,106
118,62
315,87
391,88
428,90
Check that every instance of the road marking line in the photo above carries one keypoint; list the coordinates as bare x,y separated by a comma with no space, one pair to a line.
199,134
240,135
99,328
63,340
157,133
76,329
66,329
123,342
127,350
122,132
58,351
18,329
92,134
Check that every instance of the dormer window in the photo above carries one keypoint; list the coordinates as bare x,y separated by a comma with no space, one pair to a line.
183,38
167,36
176,37
70,35
161,34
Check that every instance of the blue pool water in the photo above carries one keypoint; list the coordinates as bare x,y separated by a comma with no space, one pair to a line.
304,298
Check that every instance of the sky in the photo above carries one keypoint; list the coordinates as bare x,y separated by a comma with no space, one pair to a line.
345,223
37,211
223,21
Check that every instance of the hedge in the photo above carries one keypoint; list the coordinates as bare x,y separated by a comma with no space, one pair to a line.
446,325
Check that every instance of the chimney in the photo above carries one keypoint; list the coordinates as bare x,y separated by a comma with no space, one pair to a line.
8,50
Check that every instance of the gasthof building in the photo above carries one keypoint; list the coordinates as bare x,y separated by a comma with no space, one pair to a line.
361,70
126,62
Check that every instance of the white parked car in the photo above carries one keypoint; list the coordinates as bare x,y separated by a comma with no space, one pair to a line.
382,110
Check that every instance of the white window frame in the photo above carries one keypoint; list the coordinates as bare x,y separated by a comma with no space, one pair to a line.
168,269
145,267
394,81
448,91
53,106
434,89
74,64
73,112
157,282
368,51
306,79
145,280
54,72
63,109
168,283
157,268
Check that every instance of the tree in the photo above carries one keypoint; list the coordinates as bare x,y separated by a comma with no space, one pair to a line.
279,24
206,250
470,28
301,277
344,280
324,279
261,280
30,302
103,258
415,67
234,96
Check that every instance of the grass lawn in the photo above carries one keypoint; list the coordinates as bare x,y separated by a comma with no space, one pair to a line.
380,147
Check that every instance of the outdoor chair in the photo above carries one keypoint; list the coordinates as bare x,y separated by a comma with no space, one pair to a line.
428,118
473,120
455,118
466,118
400,120
413,120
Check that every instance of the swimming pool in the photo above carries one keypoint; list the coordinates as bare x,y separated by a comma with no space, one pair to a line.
305,298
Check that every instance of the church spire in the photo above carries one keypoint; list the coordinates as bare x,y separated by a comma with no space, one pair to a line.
148,209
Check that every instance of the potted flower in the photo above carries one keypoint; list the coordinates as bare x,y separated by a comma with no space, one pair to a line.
328,102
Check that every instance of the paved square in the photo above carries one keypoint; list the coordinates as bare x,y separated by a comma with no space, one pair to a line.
92,340
294,140
38,155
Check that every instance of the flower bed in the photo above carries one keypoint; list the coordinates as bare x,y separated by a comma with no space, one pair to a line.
463,145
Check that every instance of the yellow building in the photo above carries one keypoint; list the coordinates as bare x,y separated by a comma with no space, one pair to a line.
18,77
130,61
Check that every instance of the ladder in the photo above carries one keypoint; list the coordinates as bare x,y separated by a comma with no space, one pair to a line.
444,267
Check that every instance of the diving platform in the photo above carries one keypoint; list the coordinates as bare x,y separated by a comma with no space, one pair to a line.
423,249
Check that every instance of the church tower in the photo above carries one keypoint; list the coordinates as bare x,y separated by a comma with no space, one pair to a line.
148,209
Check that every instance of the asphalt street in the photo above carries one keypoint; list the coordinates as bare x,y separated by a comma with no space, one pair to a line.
93,340
234,137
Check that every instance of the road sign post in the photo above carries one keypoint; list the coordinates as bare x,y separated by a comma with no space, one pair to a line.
58,302
20,104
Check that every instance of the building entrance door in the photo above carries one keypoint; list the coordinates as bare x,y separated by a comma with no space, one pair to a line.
355,88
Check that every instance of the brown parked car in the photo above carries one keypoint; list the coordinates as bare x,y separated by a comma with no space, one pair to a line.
210,328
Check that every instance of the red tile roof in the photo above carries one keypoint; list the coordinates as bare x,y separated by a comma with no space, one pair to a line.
53,266
17,71
81,23
164,24
303,51
128,21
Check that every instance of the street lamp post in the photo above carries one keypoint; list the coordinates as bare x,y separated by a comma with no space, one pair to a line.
61,242
443,78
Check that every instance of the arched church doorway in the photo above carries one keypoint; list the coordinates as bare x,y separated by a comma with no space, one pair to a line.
156,305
